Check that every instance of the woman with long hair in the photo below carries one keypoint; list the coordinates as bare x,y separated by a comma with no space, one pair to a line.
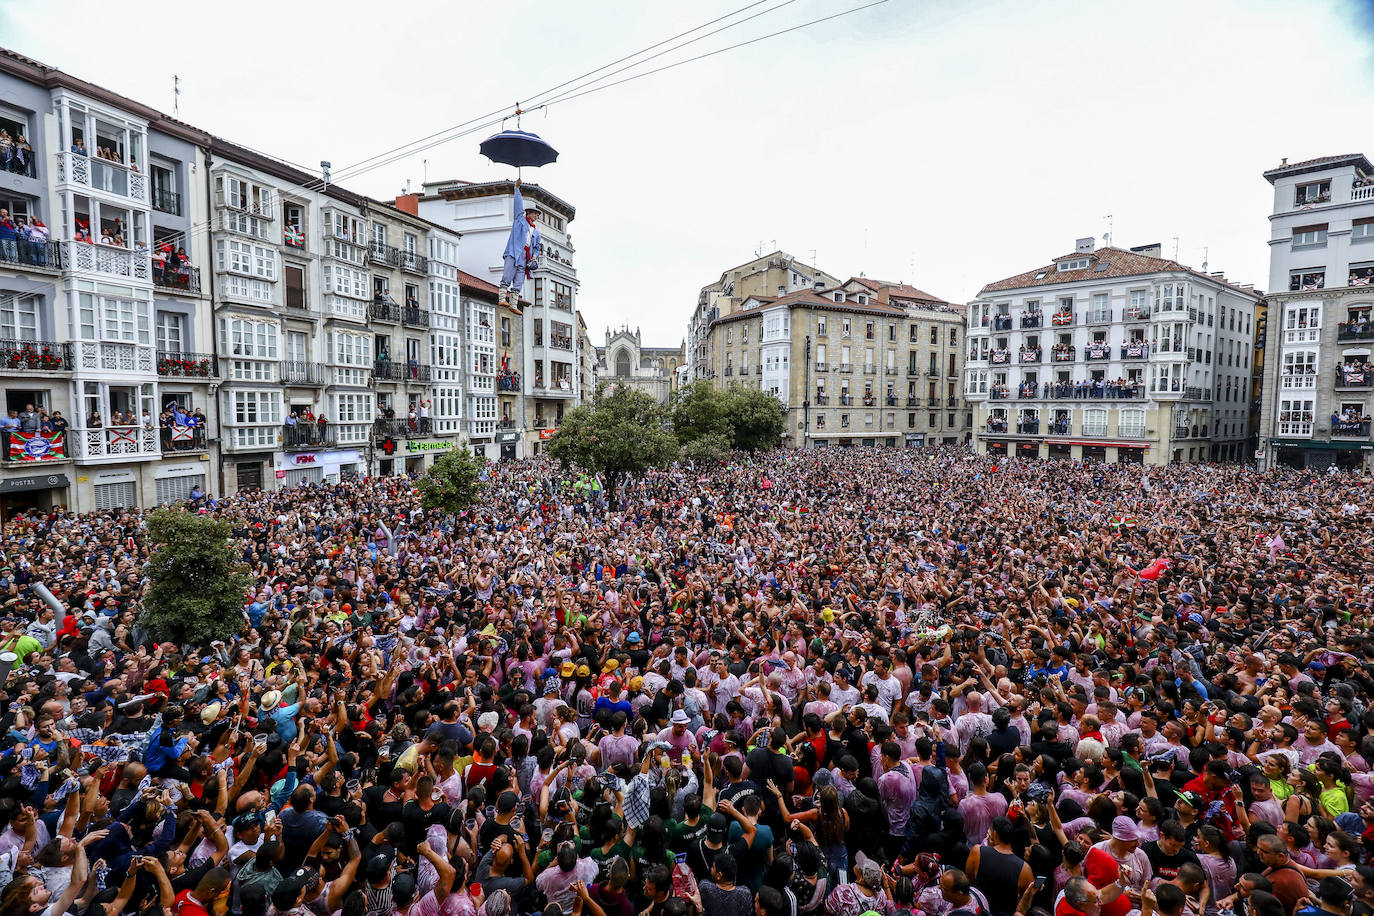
828,822
1217,863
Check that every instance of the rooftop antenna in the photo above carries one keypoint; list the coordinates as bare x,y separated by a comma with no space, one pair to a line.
813,259
1205,251
1107,239
1175,248
425,164
325,166
176,95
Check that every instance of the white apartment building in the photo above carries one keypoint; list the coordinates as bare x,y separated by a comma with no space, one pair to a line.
1316,402
548,365
93,325
1112,355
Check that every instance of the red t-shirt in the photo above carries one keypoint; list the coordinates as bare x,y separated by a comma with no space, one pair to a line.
1102,870
186,905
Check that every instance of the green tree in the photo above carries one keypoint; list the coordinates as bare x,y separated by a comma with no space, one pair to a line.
623,432
757,419
196,583
699,410
712,448
453,483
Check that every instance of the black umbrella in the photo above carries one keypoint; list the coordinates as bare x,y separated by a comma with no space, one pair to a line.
518,148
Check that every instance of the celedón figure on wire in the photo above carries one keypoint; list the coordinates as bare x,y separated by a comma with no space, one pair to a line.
523,250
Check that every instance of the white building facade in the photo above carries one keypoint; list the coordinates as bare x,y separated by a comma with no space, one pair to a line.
548,364
1111,355
1316,401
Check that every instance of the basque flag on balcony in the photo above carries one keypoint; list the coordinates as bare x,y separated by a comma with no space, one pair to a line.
37,447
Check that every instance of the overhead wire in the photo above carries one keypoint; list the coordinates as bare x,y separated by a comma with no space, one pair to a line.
500,115
487,120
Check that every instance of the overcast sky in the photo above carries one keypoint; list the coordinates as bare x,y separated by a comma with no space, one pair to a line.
943,144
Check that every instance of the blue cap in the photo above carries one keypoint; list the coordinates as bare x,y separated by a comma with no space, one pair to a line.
1186,598
633,637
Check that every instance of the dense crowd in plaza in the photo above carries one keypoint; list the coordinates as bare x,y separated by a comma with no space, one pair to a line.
837,682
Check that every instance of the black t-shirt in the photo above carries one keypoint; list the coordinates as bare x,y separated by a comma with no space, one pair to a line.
765,766
1166,866
188,879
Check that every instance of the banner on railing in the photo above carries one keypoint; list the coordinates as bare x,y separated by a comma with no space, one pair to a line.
125,435
1098,352
37,446
183,433
1353,376
1135,349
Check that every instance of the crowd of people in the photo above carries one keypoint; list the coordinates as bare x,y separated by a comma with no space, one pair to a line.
832,682
23,239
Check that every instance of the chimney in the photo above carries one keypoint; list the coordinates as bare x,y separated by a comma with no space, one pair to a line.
409,203
1283,162
1085,246
1152,250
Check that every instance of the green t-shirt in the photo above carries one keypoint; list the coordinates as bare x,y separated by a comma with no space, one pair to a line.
681,835
601,858
23,646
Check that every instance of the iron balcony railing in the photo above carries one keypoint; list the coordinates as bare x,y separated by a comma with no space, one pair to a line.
186,279
387,370
307,435
180,364
298,372
35,355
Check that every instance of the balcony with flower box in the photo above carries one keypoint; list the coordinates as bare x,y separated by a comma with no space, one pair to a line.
34,356
1355,330
115,443
97,174
182,279
177,364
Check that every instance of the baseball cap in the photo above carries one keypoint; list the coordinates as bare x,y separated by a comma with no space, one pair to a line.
1189,798
583,671
717,827
611,665
378,866
567,669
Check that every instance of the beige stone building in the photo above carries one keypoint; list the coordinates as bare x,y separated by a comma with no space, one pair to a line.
862,362
776,274
624,360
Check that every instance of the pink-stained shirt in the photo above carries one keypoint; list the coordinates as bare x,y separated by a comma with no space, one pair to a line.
978,812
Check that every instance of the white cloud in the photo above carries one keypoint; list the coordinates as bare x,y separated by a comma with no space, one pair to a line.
973,139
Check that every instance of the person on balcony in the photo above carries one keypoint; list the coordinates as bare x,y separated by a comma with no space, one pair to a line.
58,422
79,147
523,250
38,242
28,419
9,237
93,421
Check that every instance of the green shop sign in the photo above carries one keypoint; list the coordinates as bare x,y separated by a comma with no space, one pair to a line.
423,445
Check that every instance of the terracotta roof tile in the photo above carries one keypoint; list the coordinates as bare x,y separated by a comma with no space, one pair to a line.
1120,263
